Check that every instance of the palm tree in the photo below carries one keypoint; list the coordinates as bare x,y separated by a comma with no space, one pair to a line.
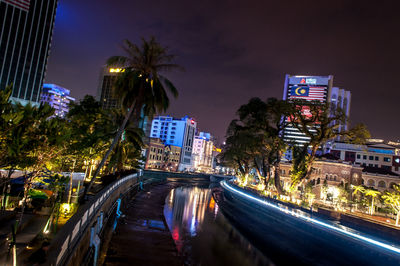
128,145
393,199
140,86
373,194
358,189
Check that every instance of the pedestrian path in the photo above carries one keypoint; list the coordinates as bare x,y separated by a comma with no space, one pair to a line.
143,237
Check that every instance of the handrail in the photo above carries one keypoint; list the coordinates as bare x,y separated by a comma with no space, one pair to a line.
65,242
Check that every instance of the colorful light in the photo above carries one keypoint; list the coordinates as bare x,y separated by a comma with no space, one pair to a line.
312,220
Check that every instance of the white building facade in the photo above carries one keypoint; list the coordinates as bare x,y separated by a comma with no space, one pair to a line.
203,152
177,132
58,98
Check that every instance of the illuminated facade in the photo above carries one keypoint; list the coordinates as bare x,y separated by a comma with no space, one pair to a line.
155,154
314,88
177,132
57,97
25,40
203,152
371,155
105,89
172,156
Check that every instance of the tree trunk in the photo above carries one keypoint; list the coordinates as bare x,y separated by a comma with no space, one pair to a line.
372,206
310,162
277,174
115,141
260,176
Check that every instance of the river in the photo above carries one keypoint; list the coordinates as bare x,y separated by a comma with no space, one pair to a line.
202,234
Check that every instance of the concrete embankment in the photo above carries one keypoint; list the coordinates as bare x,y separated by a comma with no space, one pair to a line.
289,236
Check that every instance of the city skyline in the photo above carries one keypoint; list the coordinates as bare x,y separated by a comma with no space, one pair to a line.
234,52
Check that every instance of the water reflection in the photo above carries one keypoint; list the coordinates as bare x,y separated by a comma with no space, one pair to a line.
202,234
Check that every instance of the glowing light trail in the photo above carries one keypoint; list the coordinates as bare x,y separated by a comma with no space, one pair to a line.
312,220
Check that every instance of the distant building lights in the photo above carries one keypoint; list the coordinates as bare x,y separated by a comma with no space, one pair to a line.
116,70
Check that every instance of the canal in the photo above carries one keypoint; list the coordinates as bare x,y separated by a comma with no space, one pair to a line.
195,222
202,234
178,222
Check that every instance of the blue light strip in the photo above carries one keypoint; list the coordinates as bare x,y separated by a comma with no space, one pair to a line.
312,220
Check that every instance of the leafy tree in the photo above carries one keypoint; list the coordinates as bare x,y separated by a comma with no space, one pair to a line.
393,200
264,121
90,127
321,123
236,152
140,86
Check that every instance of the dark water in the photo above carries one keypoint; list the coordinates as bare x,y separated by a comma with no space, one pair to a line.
202,234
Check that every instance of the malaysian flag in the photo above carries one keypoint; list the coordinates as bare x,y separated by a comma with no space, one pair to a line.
307,93
21,4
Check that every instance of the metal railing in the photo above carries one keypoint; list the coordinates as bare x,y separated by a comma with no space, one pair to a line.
78,226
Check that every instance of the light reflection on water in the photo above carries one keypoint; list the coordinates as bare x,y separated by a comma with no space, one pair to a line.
202,234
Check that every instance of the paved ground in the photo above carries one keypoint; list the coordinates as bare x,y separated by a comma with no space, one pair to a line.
143,237
32,225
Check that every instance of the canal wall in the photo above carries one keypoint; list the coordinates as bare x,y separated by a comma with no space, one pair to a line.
289,235
79,240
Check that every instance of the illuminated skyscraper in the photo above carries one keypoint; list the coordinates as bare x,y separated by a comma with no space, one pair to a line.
311,88
57,97
26,29
104,91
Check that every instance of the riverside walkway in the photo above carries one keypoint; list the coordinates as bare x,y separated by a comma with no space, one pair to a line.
142,236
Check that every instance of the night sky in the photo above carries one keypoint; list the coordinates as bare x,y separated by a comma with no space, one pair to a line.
235,50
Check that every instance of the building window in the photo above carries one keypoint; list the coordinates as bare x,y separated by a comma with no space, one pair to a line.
370,165
365,157
376,158
371,157
382,184
358,156
386,159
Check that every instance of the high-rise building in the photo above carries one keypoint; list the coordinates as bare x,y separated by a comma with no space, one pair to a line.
340,98
311,88
203,152
105,90
26,29
57,97
177,132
